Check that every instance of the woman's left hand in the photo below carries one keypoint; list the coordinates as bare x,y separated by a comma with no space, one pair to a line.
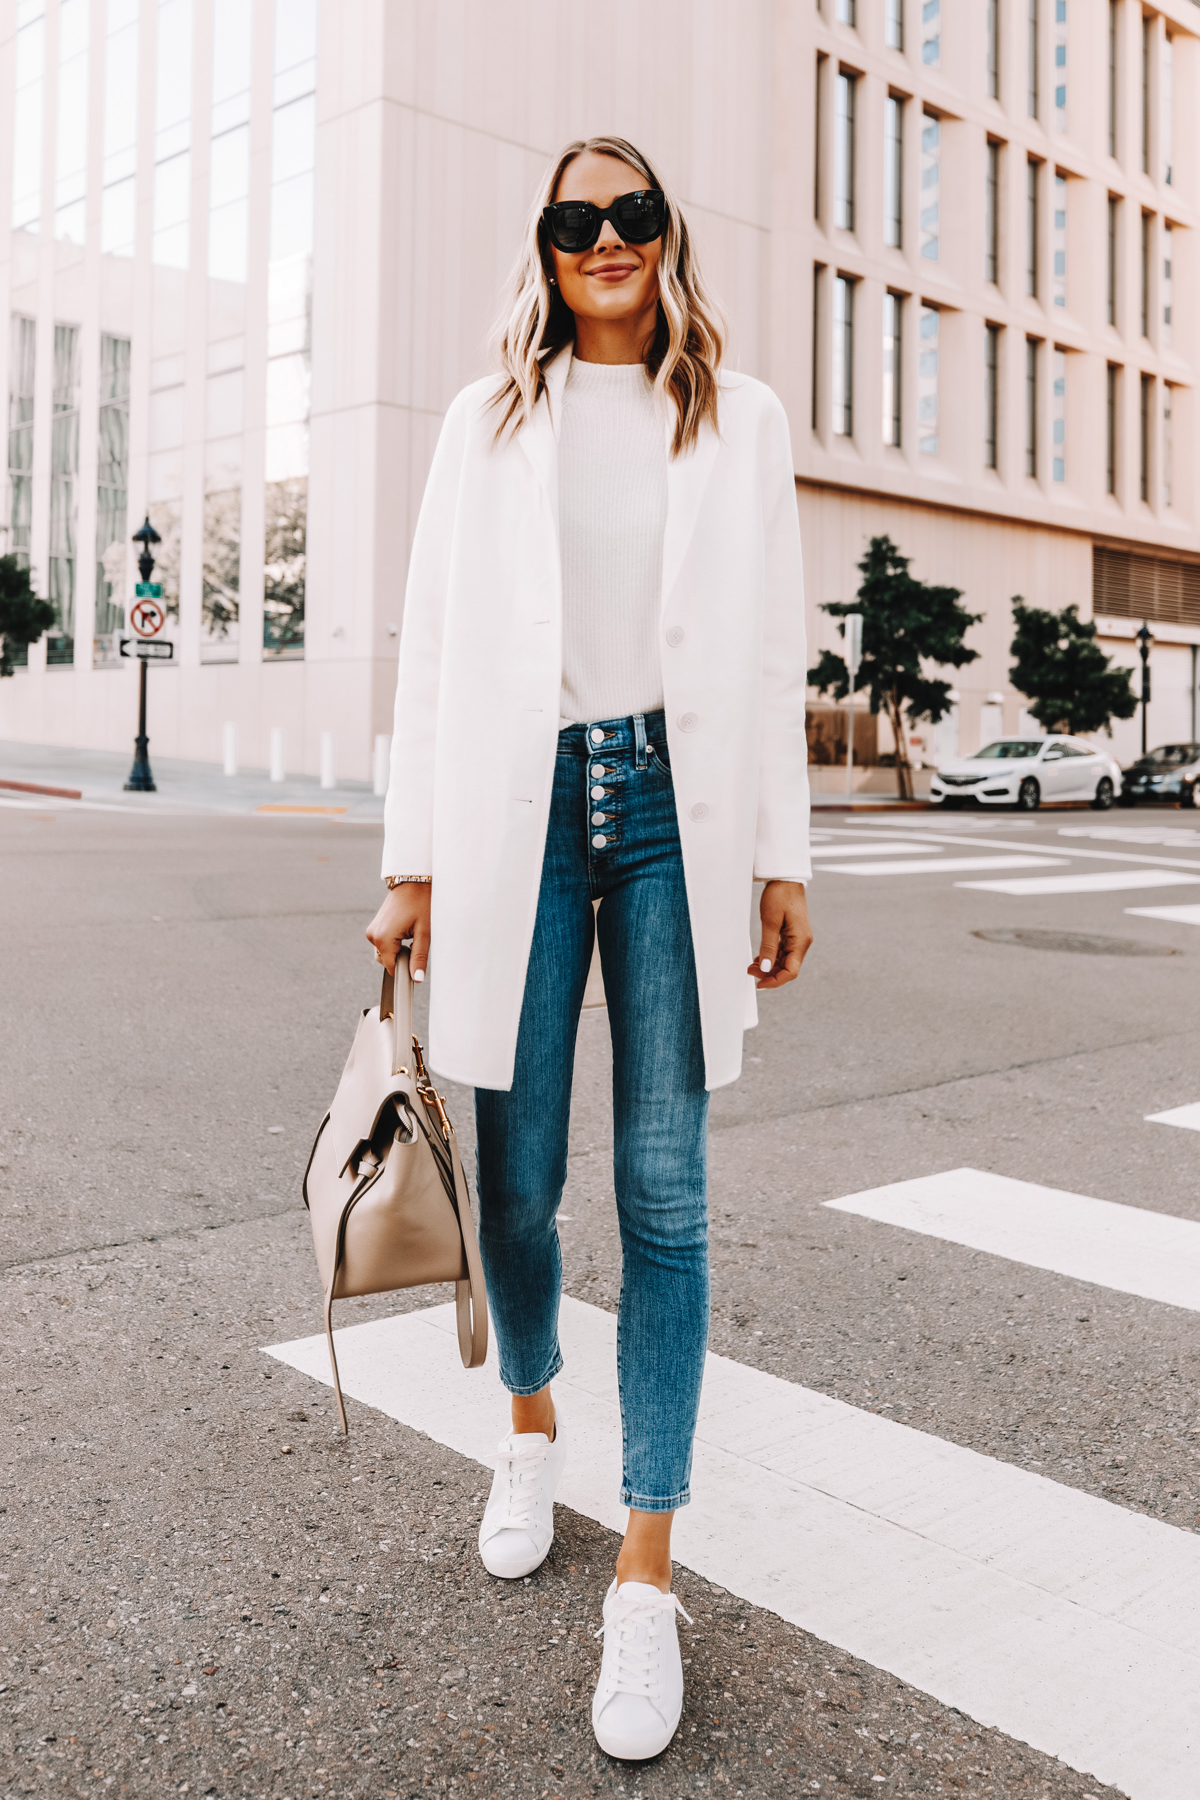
786,934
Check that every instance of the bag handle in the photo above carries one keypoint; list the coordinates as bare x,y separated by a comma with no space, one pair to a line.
395,1003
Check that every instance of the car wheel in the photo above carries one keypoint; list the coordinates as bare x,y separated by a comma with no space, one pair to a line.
1104,795
1029,795
1187,795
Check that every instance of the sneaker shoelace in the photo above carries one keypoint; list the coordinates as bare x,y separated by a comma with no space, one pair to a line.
521,1469
638,1669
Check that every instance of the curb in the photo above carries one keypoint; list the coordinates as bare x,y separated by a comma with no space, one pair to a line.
35,787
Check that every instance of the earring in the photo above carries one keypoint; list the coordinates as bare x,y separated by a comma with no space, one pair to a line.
553,282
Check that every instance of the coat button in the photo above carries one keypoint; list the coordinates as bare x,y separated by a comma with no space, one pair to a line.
675,636
599,841
689,721
699,811
596,735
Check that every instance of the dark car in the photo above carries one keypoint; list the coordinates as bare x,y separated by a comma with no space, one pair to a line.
1169,773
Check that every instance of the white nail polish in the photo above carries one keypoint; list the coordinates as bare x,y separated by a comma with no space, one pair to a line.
765,965
418,974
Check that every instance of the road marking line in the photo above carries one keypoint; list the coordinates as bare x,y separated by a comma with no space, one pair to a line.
1056,1617
1187,1116
946,865
1180,915
1128,1248
299,809
1104,881
874,849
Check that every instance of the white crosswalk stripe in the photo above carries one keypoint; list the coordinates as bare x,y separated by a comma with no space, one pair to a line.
944,865
1059,1618
1103,881
1179,915
1187,1116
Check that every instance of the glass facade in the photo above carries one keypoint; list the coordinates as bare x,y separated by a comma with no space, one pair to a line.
71,157
1168,282
1032,222
843,151
1168,446
64,494
991,215
118,206
843,357
1114,222
112,494
289,312
893,314
893,24
1110,425
1166,109
893,172
931,186
173,134
1031,408
1060,65
1059,417
992,31
28,99
1060,240
931,33
1032,95
928,356
991,395
22,347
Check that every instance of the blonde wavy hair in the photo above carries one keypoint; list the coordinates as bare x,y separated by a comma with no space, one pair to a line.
688,343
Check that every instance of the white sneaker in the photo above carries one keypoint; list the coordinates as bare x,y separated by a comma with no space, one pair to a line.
517,1528
639,1696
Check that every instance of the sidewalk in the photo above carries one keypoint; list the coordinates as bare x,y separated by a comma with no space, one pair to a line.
99,777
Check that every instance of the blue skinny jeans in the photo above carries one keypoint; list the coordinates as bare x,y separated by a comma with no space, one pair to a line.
612,837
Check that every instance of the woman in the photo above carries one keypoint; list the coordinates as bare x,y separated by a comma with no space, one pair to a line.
601,698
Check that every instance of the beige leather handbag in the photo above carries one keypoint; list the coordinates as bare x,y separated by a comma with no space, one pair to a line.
385,1187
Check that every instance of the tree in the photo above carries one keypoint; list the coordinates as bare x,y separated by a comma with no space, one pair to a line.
1060,668
23,617
906,623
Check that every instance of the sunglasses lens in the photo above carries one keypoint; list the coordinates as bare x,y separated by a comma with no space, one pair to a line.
573,227
641,217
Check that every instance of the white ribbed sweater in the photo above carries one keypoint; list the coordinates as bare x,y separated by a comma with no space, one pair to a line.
612,514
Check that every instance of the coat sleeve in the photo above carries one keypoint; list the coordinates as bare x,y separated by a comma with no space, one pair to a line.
781,850
408,810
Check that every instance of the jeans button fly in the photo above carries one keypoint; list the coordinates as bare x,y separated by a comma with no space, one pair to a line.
596,735
599,841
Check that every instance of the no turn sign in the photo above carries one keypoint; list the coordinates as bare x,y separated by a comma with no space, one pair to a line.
147,617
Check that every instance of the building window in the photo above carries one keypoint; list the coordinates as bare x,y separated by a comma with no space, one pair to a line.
22,344
70,162
843,356
118,200
927,381
1147,238
1060,65
991,215
27,116
843,152
1059,419
893,25
1168,446
893,172
64,493
814,372
1112,77
931,184
1031,40
229,155
992,27
1031,407
112,484
1060,240
931,33
846,12
818,123
173,134
1167,280
893,306
1113,205
289,328
1031,227
1147,39
1111,428
1146,414
991,394
1166,107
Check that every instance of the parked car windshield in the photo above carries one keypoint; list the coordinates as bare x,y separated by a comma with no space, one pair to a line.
1011,747
1169,756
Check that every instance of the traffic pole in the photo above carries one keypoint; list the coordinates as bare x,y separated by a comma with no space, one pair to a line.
141,781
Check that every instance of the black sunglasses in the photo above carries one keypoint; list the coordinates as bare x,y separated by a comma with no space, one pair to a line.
574,225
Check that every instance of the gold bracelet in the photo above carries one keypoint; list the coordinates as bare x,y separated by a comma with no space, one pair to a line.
395,881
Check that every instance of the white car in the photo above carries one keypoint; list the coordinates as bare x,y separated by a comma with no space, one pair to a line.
1023,772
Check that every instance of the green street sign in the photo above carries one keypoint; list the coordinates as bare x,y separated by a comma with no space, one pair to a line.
150,590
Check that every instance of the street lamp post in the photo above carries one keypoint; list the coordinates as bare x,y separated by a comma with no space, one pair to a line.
141,781
1144,641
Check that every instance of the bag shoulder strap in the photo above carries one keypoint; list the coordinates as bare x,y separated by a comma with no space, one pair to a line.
470,1296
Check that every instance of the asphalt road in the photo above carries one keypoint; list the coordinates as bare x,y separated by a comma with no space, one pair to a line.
190,1607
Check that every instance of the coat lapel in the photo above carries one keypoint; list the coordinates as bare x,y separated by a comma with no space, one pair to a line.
687,478
538,436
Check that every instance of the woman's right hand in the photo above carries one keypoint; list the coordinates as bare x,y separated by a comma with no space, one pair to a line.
403,914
